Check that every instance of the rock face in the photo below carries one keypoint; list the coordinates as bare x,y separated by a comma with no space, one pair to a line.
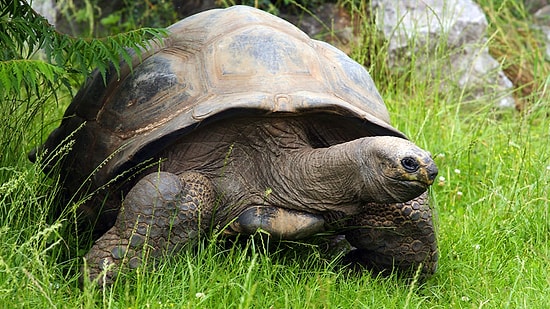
46,8
533,6
542,22
416,29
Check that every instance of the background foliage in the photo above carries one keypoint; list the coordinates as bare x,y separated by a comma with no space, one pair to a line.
36,60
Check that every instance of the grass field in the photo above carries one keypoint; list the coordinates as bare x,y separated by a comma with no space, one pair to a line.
491,200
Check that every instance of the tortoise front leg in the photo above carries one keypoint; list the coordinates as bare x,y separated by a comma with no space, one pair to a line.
396,236
160,214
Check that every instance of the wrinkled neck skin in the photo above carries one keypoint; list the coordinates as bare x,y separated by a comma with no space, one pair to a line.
327,179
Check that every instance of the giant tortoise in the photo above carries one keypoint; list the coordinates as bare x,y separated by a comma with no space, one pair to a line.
239,121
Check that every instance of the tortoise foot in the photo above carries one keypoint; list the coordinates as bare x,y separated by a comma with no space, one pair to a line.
109,252
379,265
395,237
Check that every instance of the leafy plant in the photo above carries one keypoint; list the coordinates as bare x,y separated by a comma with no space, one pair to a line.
24,33
36,61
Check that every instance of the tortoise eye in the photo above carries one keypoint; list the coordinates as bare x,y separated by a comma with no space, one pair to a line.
411,165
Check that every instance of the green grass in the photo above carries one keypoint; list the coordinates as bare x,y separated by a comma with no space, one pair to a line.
492,209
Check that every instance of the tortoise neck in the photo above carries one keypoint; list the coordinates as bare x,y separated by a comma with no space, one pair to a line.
327,178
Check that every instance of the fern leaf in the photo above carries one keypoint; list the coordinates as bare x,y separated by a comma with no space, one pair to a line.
16,75
23,32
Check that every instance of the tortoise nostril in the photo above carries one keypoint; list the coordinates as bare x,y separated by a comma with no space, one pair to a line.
432,172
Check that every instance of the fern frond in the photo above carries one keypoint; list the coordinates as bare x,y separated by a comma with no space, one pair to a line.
23,32
83,55
27,82
25,74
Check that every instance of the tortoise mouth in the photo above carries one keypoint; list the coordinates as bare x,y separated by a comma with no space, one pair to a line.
403,190
412,179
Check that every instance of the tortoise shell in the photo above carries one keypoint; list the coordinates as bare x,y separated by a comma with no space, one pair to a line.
212,66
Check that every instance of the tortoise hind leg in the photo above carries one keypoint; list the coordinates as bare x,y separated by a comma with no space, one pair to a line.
398,236
160,214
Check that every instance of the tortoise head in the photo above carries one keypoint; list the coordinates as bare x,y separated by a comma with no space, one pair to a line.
394,169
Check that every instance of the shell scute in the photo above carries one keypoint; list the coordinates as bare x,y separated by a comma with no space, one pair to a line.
259,52
150,97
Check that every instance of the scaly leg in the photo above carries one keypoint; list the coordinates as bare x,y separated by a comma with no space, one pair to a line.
397,236
160,214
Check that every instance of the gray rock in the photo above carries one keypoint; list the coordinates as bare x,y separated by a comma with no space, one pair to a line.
417,29
542,23
546,32
534,5
46,8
